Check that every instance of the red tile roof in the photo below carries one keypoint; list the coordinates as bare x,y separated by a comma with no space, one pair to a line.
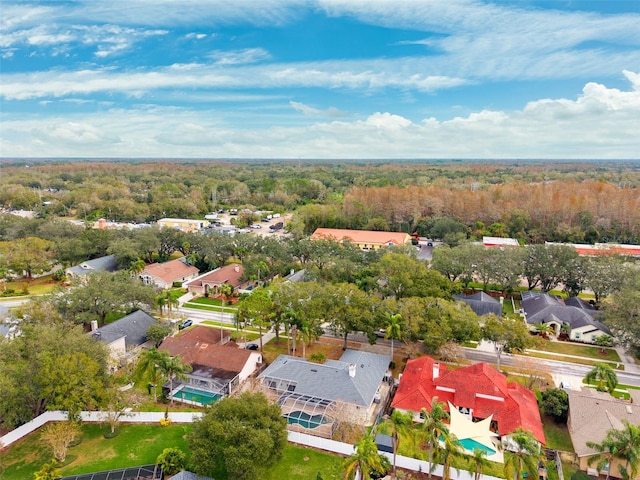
207,359
230,274
361,236
478,387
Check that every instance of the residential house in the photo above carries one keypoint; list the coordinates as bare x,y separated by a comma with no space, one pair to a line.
124,336
164,275
102,264
600,249
314,396
481,303
483,406
148,472
580,316
591,415
183,224
363,239
499,242
219,367
210,282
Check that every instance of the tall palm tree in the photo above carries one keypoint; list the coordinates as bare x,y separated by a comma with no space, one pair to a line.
225,290
365,460
607,450
604,375
400,422
522,456
479,461
628,444
433,429
149,367
394,329
137,266
173,368
449,451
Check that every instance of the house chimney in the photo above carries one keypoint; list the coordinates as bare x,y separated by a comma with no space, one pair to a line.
236,267
94,325
352,370
436,370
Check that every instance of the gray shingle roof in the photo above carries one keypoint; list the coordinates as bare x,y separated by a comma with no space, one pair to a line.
544,308
481,303
188,476
133,327
331,380
102,264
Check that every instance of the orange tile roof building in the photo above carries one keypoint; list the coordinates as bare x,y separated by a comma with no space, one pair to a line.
165,274
364,239
479,391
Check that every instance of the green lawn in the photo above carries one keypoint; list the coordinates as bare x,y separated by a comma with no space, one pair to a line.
140,445
35,286
580,361
557,435
569,348
209,308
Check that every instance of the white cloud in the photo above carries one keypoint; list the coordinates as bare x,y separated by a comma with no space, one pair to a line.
601,123
316,112
239,57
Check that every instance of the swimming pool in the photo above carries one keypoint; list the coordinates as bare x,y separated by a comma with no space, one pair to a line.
306,420
470,444
193,395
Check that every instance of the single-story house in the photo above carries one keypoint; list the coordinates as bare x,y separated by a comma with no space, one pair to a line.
218,366
164,275
313,395
125,335
481,303
183,224
363,239
483,406
499,242
211,281
102,264
591,415
580,316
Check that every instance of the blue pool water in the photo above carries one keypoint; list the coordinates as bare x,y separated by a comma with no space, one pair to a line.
306,420
198,396
470,444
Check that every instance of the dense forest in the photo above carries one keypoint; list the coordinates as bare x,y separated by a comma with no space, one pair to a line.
533,201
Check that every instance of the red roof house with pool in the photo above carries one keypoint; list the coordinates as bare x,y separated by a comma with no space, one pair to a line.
481,402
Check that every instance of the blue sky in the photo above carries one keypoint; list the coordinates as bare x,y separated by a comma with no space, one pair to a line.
320,79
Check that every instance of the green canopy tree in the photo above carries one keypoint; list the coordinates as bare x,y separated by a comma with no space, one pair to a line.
31,255
243,435
605,377
506,334
257,309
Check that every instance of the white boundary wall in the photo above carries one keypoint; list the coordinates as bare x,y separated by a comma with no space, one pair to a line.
325,444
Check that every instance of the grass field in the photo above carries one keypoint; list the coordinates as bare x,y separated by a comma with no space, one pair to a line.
569,348
209,308
35,286
557,435
141,445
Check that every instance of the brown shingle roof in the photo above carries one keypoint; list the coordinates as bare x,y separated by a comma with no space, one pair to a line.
593,413
207,359
171,271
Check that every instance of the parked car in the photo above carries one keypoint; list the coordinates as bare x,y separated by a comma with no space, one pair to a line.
252,346
185,324
256,226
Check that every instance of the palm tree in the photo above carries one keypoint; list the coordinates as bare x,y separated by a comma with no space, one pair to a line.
522,456
607,450
365,460
149,365
161,301
173,368
394,329
434,428
479,461
604,375
137,266
449,451
225,290
400,422
628,444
